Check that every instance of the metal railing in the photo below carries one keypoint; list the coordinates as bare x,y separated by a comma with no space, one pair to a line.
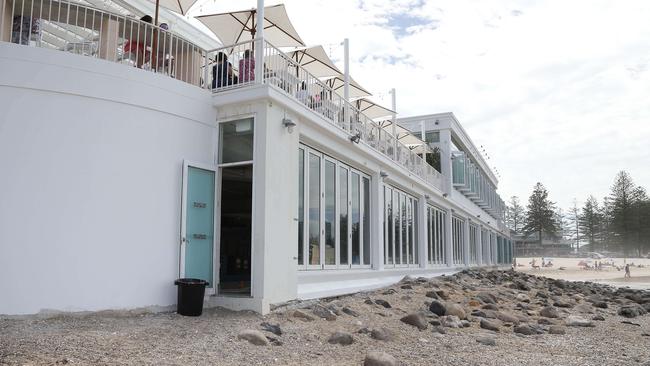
233,67
77,28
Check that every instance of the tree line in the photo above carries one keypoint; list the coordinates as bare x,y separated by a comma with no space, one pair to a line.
619,222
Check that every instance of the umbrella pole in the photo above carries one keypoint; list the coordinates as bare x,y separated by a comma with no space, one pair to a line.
154,45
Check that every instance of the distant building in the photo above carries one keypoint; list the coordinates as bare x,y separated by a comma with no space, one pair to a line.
529,246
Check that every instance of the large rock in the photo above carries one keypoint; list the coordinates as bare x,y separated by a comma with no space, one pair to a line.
437,308
383,303
456,310
557,329
416,320
432,294
451,321
323,312
302,316
631,311
350,312
576,321
549,312
253,337
342,338
487,341
376,358
273,328
489,325
526,329
507,318
381,334
487,297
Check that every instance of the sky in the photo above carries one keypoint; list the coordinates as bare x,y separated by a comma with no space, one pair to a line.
556,92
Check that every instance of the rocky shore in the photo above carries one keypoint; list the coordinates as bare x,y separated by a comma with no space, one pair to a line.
471,318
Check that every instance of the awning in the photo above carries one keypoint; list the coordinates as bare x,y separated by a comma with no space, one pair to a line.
179,6
239,26
406,137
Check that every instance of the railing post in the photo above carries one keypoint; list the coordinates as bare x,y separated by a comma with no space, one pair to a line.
346,83
206,62
259,32
394,121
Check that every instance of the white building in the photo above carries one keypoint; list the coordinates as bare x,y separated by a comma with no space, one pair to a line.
116,180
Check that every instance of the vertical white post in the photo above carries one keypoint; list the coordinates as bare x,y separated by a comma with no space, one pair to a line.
425,147
449,245
377,217
259,33
423,242
346,83
479,245
466,242
445,160
394,122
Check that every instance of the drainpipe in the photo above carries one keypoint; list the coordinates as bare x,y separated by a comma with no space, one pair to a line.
259,33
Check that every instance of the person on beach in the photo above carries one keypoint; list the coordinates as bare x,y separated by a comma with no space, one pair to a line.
627,271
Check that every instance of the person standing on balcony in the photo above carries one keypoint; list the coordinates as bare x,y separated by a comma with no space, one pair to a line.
247,67
221,71
139,51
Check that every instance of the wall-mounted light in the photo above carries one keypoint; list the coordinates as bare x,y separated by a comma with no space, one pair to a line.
383,174
289,124
452,210
426,196
445,195
356,138
479,216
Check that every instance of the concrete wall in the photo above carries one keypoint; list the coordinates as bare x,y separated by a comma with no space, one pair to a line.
90,159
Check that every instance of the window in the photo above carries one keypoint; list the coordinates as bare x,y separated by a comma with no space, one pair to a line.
474,244
485,246
236,141
336,206
400,228
458,238
436,231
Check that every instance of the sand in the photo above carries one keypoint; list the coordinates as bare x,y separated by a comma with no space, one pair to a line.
608,275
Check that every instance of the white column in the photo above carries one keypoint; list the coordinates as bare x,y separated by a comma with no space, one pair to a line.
423,238
445,160
259,33
377,221
466,242
449,247
479,245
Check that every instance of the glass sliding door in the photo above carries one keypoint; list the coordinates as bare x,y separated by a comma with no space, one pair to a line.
314,210
400,234
301,207
330,212
356,218
388,234
344,233
335,208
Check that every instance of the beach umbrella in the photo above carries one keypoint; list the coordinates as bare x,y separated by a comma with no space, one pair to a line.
178,6
356,91
239,26
371,109
315,61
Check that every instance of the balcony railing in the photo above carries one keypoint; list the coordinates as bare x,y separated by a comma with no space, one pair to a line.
233,67
80,29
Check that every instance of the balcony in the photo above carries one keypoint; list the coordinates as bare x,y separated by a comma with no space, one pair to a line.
233,67
468,179
81,29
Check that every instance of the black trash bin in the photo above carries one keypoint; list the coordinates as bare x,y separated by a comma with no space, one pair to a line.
190,296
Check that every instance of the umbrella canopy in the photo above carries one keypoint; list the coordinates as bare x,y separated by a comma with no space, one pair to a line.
405,136
239,26
356,90
315,61
178,6
371,109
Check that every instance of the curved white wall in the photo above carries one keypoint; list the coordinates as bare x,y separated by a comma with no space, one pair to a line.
90,161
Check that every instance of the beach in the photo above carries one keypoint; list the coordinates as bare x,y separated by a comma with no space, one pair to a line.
639,270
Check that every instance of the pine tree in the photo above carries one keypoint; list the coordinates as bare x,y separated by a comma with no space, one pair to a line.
573,218
540,215
591,221
624,222
516,215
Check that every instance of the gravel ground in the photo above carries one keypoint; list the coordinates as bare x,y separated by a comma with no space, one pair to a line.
132,338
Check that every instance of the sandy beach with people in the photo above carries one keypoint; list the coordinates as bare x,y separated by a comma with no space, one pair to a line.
568,269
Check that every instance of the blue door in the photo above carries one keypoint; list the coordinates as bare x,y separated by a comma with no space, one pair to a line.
199,224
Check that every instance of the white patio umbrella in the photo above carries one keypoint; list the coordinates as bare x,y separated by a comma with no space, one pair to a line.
315,61
238,26
178,6
356,91
371,109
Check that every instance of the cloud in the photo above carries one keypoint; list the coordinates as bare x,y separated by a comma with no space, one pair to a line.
557,92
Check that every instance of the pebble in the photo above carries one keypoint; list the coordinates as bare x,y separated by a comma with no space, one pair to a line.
377,358
549,312
273,328
576,321
350,312
556,329
342,338
302,316
381,334
383,303
487,341
437,308
253,337
489,325
323,312
454,309
416,320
